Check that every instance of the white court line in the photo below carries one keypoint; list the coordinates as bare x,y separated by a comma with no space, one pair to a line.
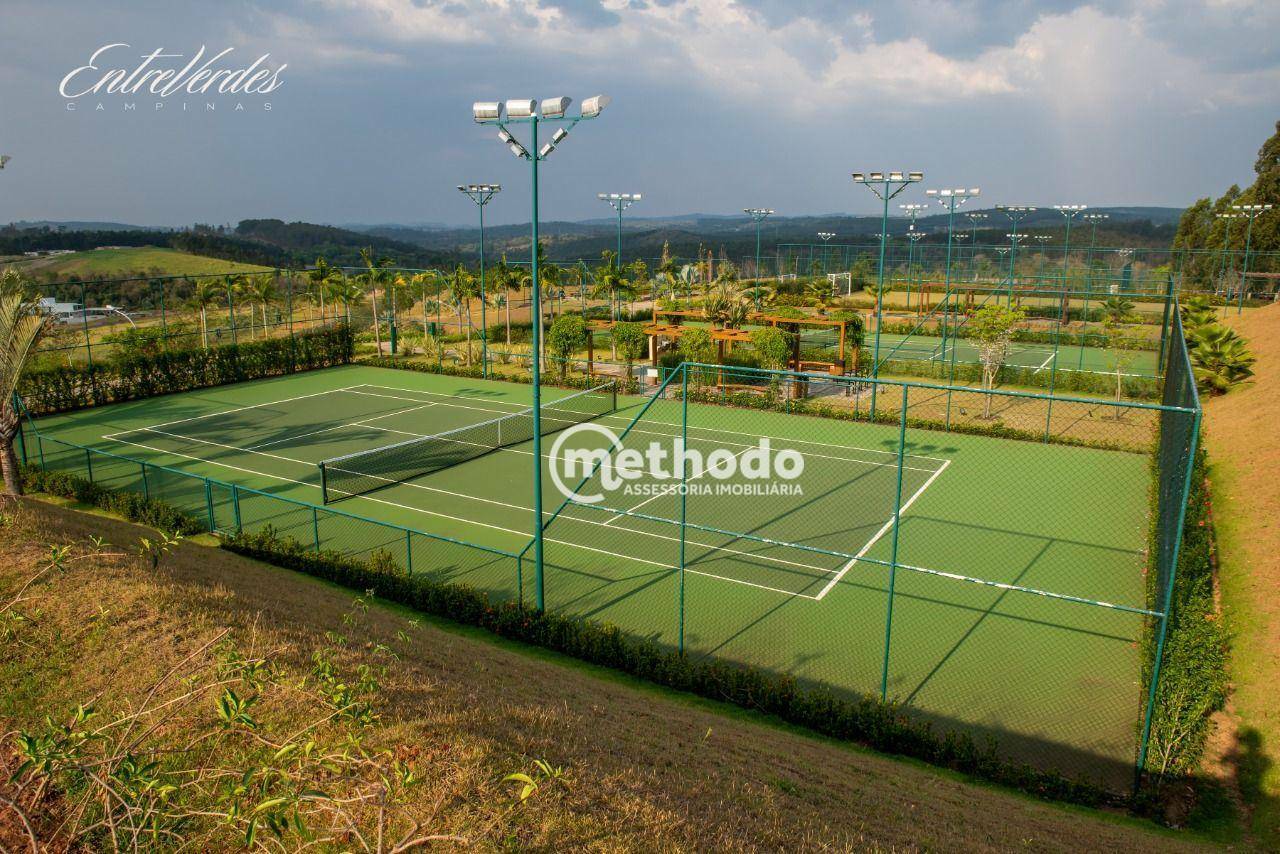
887,525
361,423
353,389
1042,365
239,409
788,439
449,493
666,491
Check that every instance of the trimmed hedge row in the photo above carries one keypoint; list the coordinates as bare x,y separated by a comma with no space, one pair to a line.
130,505
1193,674
64,388
573,381
883,726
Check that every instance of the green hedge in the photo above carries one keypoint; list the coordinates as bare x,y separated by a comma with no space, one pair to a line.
1025,336
131,377
130,505
883,726
1193,674
573,381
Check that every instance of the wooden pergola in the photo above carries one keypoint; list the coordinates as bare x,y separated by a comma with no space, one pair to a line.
668,324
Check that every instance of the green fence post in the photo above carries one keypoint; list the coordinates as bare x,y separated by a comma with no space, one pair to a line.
164,319
408,552
893,554
235,505
88,463
684,501
40,448
1053,376
146,487
231,311
208,503
22,439
1164,324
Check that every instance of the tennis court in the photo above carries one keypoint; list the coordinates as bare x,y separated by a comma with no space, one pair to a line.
796,582
1034,356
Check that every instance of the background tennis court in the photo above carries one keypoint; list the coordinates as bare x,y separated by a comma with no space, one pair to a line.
795,584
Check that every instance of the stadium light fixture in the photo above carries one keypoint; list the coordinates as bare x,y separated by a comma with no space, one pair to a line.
1016,214
526,111
619,202
482,194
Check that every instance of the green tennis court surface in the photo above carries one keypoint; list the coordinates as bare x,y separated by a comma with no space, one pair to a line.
1036,356
794,583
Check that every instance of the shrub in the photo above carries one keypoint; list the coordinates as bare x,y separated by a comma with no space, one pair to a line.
136,375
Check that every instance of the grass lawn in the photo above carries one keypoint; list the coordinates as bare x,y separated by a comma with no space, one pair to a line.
146,260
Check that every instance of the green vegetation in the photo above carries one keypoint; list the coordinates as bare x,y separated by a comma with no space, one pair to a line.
125,262
133,376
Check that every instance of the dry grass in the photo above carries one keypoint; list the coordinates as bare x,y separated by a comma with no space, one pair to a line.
1243,443
644,769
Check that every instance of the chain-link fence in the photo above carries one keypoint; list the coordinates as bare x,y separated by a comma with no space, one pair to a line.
978,557
994,561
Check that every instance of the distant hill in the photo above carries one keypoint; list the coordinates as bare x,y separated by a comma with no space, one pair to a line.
78,225
1137,227
125,262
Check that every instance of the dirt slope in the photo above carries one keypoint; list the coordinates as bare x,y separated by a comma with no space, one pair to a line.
646,769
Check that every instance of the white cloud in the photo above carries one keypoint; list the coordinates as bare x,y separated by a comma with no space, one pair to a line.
1077,61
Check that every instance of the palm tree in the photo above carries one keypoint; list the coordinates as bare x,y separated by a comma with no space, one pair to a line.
376,273
241,287
1220,359
1117,308
816,293
462,289
320,275
347,292
21,326
264,292
206,295
504,279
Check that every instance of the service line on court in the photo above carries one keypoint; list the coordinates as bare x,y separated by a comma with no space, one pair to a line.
454,495
884,529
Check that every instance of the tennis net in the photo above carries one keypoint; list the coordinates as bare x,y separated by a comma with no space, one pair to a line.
365,471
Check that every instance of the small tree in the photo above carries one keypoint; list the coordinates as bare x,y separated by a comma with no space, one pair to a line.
21,325
630,339
991,330
567,335
696,346
1122,346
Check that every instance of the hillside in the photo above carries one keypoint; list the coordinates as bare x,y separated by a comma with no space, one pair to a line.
638,768
124,262
1244,451
644,236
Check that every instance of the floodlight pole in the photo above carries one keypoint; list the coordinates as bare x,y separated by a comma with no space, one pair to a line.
481,194
973,242
950,199
1069,213
491,113
912,211
758,215
1252,212
619,202
1016,214
886,187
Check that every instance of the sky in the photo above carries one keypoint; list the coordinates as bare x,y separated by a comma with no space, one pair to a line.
717,105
